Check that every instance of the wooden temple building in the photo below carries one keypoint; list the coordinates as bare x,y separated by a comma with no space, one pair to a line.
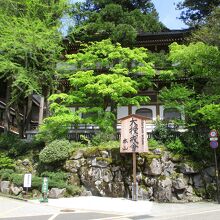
155,42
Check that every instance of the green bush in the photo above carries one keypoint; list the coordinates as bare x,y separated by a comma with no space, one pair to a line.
164,133
57,150
55,175
16,146
102,137
153,144
6,162
17,179
176,146
5,174
73,190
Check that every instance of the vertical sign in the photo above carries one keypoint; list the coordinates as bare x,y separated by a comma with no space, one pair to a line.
44,189
133,134
27,180
133,140
213,137
45,185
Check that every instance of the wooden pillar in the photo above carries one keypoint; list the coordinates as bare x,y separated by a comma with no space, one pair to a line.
41,111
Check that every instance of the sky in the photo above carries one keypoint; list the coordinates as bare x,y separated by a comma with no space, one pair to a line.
168,15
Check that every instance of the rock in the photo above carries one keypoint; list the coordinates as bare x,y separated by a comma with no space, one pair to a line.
139,177
16,190
74,179
157,151
150,181
77,155
168,168
107,175
5,187
104,154
36,194
26,162
180,194
56,193
145,193
85,192
72,165
140,161
163,191
165,157
189,191
117,176
155,168
179,183
198,181
186,168
210,171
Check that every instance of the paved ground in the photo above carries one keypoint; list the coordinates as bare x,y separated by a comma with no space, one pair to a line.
99,208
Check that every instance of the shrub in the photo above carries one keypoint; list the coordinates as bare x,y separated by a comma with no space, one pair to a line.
164,133
57,150
6,162
153,144
55,175
6,173
102,137
176,146
16,146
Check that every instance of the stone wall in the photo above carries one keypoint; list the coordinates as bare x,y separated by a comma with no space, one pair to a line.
161,176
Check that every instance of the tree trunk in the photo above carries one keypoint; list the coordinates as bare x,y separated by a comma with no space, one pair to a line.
19,121
6,117
28,113
41,110
114,111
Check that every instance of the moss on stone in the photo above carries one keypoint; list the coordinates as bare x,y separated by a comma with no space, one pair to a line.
108,160
149,156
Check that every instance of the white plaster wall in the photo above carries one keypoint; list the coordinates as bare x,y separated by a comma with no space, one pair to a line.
122,112
161,112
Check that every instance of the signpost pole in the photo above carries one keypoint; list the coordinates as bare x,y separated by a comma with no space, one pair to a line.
216,174
134,188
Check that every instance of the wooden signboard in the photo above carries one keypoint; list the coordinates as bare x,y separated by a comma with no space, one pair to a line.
133,134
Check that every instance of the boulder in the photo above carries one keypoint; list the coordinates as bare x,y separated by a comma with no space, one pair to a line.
5,187
198,181
210,171
149,181
16,190
104,154
145,193
26,162
163,192
155,168
74,179
168,168
77,155
179,183
186,168
56,193
72,165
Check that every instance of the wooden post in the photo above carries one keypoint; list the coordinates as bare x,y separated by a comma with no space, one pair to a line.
41,110
134,188
216,175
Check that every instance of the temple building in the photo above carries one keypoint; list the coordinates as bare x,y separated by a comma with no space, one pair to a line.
155,42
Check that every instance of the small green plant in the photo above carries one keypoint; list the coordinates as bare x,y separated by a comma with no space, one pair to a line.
176,146
6,162
153,144
102,137
5,173
57,150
